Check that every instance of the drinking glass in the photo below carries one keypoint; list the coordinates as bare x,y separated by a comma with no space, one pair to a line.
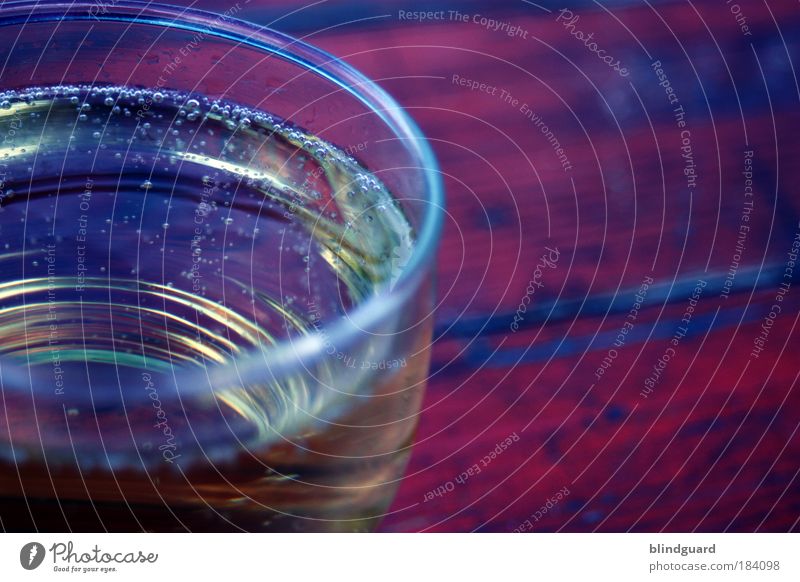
217,253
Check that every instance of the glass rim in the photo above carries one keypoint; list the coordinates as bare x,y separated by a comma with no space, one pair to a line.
284,356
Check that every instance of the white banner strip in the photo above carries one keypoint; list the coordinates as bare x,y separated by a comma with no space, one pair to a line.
406,557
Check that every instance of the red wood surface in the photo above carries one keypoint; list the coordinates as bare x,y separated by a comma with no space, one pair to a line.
715,447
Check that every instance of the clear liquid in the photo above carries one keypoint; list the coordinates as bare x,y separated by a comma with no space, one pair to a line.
144,235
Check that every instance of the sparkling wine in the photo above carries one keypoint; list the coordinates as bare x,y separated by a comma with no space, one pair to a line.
149,241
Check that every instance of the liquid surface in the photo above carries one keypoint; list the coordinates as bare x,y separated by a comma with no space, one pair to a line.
147,234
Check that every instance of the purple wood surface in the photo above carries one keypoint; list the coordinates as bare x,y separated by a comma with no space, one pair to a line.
714,445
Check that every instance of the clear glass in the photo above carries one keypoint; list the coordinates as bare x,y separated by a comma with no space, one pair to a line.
217,253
